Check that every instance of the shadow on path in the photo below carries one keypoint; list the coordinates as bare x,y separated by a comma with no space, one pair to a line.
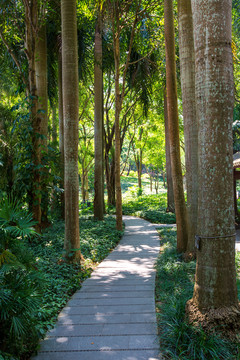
113,315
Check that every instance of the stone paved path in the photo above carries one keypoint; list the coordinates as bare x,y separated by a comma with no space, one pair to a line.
112,317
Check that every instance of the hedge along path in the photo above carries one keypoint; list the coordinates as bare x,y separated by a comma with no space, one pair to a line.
113,315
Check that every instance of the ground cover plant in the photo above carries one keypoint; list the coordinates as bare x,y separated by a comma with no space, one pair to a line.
36,283
149,207
131,181
174,286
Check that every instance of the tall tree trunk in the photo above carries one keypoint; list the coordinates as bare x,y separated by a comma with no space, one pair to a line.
140,170
31,23
61,132
187,67
41,84
86,186
98,122
110,179
215,281
170,196
84,183
54,126
172,106
164,179
117,125
157,181
70,114
138,154
103,159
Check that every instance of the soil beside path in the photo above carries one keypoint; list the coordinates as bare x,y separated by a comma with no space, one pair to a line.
113,315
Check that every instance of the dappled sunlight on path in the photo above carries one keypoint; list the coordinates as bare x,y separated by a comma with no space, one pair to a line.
113,315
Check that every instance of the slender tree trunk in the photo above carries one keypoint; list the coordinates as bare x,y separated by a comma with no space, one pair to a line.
139,178
70,113
103,159
41,85
61,132
140,169
31,23
151,181
54,126
235,195
83,186
215,281
157,182
164,179
138,166
170,197
187,67
117,126
110,179
172,105
86,187
98,122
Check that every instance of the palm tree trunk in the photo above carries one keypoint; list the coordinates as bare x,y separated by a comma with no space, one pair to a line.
41,85
117,125
187,67
172,106
110,177
117,145
215,281
54,126
31,22
61,131
170,197
98,122
70,114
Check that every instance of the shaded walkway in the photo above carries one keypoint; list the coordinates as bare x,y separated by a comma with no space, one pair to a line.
113,315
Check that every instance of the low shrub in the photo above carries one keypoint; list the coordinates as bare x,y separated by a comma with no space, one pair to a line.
21,285
174,286
35,282
149,207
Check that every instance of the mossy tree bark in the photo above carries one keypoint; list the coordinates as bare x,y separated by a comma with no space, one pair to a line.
215,282
187,70
70,115
173,128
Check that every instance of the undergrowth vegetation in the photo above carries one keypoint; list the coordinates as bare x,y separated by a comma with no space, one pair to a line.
149,207
35,282
174,286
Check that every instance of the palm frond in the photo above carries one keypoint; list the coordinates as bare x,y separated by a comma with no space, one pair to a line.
7,257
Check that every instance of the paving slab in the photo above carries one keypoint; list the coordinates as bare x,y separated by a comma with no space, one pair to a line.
113,315
140,318
112,295
78,343
103,329
117,301
117,288
141,354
